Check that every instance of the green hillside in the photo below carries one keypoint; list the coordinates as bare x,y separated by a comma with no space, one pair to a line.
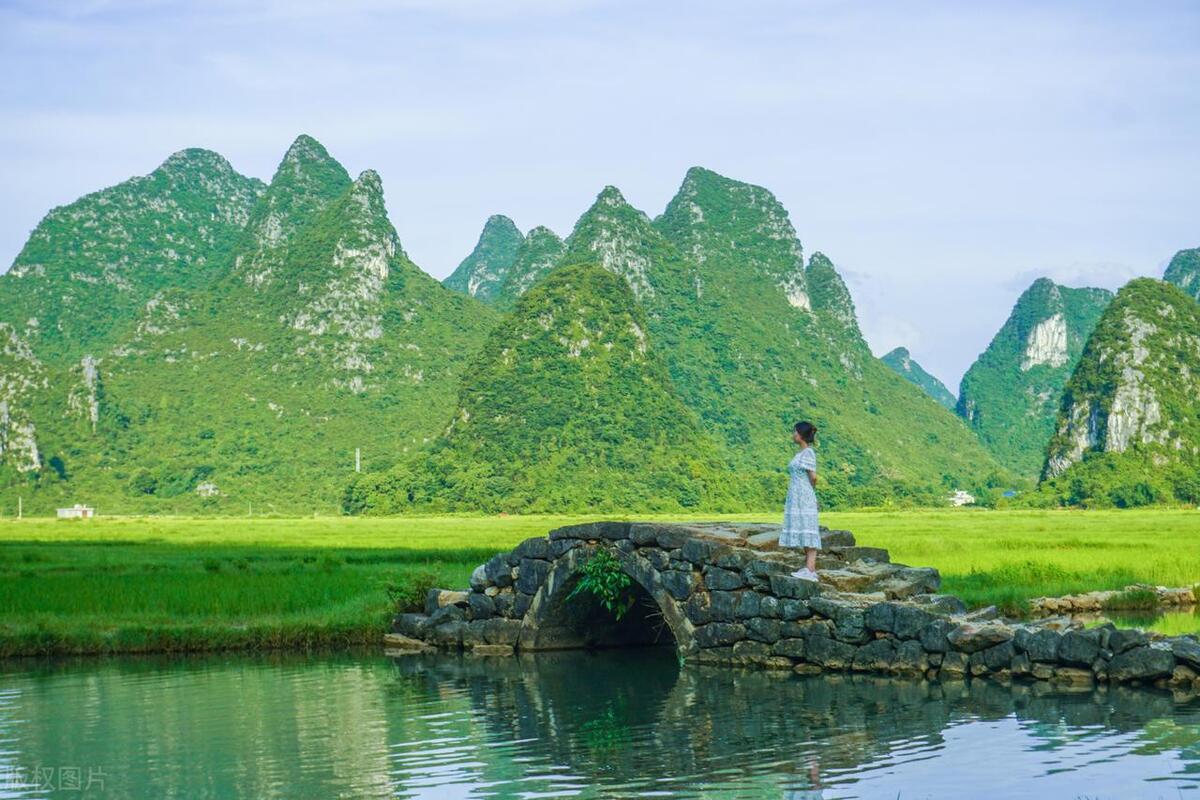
89,267
320,336
537,255
754,339
567,407
902,362
1184,271
1128,432
482,273
1011,394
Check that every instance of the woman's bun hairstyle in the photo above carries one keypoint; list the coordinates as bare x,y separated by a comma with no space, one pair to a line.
807,431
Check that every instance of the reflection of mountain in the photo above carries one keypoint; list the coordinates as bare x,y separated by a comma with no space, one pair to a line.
629,722
613,725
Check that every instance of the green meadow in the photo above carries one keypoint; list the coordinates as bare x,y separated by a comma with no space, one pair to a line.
149,584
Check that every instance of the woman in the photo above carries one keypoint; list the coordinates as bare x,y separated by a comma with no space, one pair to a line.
800,509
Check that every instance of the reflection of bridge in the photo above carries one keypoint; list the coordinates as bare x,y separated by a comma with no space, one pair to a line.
722,594
636,720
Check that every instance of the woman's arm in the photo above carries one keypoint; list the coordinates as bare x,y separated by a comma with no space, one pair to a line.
812,477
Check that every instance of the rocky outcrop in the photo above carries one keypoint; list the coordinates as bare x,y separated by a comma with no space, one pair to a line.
1012,392
722,594
1135,385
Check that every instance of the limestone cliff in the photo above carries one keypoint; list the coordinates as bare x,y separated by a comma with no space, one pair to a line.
1011,393
1131,412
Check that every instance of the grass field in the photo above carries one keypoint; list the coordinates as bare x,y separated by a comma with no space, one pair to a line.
178,584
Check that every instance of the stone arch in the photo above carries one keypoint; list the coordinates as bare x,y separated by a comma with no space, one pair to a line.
546,627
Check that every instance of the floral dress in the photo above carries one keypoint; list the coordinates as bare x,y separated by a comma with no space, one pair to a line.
800,510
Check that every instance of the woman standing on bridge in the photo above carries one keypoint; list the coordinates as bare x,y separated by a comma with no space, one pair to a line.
800,509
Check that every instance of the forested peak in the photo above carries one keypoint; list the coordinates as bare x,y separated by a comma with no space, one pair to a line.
198,161
543,233
621,239
708,199
1184,271
898,355
485,269
307,166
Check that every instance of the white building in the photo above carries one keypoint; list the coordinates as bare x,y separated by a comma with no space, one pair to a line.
961,498
77,511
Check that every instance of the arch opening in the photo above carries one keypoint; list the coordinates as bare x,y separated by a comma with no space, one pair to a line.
582,623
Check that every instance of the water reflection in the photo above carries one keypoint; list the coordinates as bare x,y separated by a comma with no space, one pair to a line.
617,724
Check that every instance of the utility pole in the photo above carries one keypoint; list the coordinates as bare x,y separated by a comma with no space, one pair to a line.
20,508
357,460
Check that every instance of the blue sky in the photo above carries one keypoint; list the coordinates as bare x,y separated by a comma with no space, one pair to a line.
942,154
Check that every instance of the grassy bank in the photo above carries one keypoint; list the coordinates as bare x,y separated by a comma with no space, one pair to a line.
177,584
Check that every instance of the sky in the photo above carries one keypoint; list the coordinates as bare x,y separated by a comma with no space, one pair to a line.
943,155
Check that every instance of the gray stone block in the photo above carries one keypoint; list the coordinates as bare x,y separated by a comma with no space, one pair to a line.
877,655
502,631
679,585
910,658
478,579
537,547
481,606
1079,648
792,648
1121,639
933,636
701,551
787,586
1141,663
1040,645
723,606
1187,650
532,575
415,626
970,637
763,630
499,571
829,652
769,606
999,656
749,604
910,622
880,617
521,603
794,609
717,634
722,579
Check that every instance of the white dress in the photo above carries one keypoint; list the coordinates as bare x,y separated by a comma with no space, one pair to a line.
800,509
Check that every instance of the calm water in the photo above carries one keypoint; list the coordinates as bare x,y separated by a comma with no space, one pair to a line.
605,725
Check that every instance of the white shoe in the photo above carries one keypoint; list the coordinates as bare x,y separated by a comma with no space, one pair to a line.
805,574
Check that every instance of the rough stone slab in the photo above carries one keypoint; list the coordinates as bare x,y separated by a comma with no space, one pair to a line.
829,653
533,573
492,650
415,626
723,579
845,580
971,637
537,547
1079,648
857,553
717,634
766,540
1141,663
611,530
1187,650
396,641
787,586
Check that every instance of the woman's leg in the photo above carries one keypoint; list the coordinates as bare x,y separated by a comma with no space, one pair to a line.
810,555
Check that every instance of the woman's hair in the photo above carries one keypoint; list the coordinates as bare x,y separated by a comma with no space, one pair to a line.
807,431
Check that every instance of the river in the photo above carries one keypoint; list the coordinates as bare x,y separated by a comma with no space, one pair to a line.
616,724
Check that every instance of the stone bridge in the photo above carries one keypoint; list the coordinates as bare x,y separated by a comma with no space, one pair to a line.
721,593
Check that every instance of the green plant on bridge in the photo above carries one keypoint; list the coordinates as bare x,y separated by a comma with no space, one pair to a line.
603,578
